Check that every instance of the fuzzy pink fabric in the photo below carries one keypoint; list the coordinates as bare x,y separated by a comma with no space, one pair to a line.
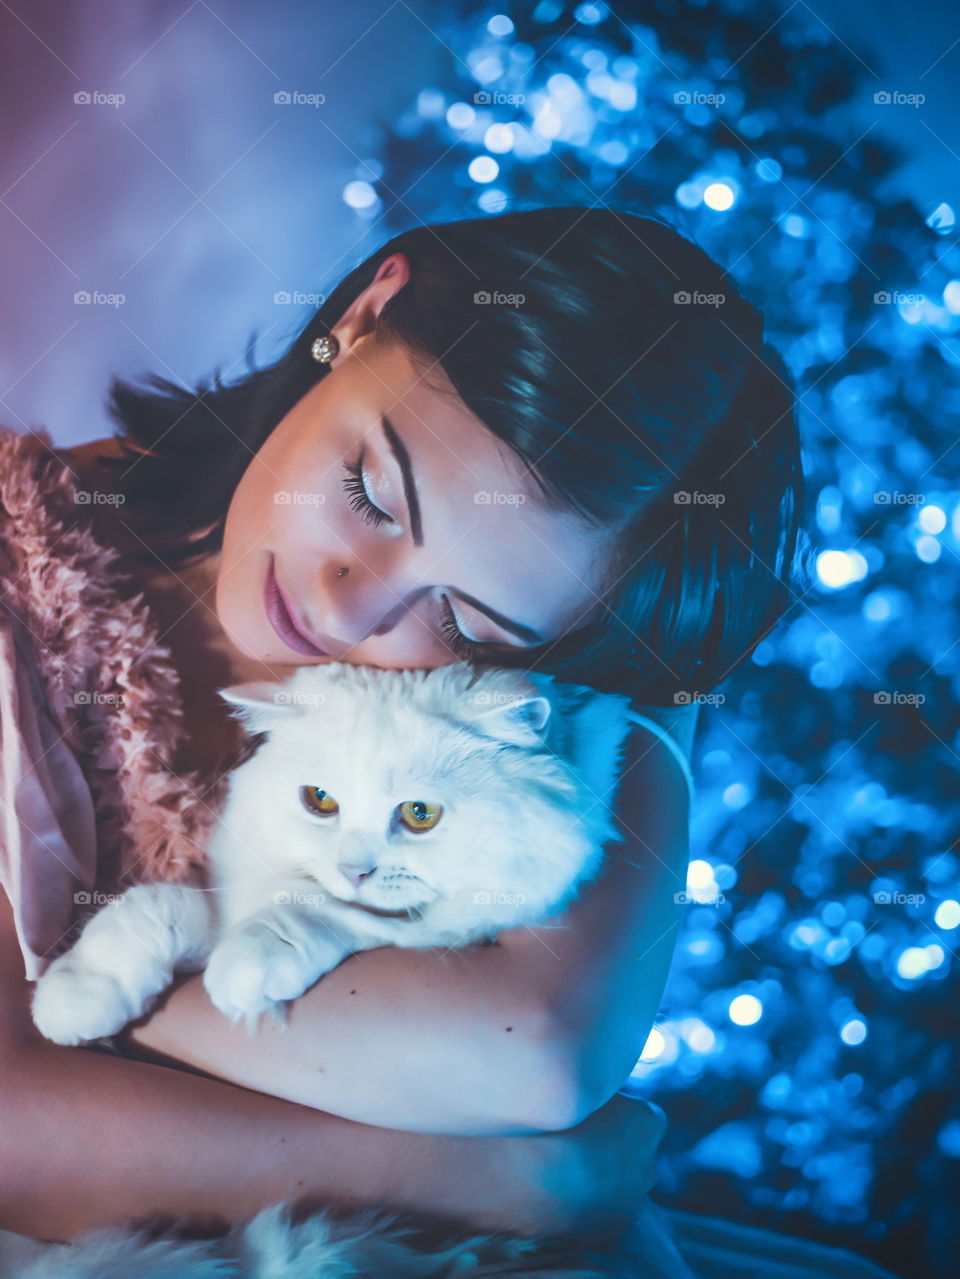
90,715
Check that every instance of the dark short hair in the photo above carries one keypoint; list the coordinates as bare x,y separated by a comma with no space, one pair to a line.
633,380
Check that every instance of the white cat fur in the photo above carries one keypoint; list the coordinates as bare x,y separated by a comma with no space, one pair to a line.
524,768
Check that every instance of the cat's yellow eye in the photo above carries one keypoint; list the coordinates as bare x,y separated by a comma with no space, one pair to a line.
418,815
318,801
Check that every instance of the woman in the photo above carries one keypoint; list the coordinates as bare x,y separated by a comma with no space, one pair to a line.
552,439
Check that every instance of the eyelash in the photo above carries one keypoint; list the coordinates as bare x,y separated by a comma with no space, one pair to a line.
355,487
467,650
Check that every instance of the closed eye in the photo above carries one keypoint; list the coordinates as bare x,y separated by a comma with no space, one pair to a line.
466,649
356,489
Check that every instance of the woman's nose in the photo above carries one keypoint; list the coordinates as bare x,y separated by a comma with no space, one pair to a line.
360,606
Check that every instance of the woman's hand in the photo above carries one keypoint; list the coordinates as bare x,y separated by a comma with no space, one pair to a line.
590,1177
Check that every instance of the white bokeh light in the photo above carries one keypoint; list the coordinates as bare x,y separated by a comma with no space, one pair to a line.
460,115
359,195
483,168
932,519
745,1010
838,569
719,196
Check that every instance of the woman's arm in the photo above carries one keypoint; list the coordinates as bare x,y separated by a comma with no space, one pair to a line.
533,1032
88,1139
609,958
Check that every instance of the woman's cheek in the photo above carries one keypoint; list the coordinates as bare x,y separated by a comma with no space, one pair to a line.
315,518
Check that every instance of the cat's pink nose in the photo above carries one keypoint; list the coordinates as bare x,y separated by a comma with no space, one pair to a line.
355,873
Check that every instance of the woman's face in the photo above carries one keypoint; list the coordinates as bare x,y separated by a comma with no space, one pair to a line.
456,538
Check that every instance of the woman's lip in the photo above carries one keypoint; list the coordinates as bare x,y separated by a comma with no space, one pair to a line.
280,617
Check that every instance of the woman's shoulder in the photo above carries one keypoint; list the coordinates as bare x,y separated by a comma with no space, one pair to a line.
36,473
85,461
85,458
675,726
23,455
680,720
53,500
94,481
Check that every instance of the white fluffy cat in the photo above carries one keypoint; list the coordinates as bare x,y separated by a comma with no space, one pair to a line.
404,808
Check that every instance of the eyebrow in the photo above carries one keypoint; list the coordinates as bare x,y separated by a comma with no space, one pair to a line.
399,451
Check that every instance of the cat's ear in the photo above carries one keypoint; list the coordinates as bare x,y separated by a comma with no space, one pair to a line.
260,704
519,719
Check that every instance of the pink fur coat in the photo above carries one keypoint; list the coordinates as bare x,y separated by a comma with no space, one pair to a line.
89,714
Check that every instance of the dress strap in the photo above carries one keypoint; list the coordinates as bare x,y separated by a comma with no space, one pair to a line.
670,742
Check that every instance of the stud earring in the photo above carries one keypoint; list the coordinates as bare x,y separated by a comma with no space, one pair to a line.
325,349
342,572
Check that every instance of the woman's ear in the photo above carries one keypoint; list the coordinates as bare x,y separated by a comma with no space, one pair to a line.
359,320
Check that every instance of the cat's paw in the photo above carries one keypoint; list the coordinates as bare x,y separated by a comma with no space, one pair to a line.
73,1004
252,972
